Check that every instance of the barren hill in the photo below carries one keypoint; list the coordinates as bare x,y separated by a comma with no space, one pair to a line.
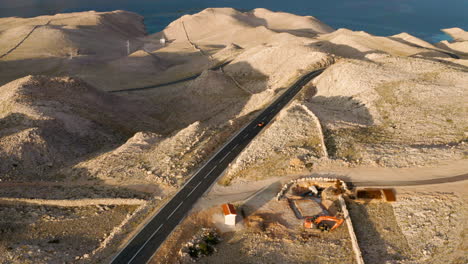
49,122
66,44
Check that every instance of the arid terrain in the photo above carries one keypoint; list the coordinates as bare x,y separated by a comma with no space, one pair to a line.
84,160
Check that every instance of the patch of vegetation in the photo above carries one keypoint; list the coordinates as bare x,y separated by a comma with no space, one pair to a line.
369,134
330,142
204,246
226,180
211,238
341,146
313,143
387,93
351,153
345,143
389,99
200,250
430,76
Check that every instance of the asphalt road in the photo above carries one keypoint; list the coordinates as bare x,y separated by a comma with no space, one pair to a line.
142,247
193,77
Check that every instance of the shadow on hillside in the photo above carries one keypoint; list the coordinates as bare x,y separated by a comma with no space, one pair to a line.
97,44
374,246
213,98
251,20
340,110
34,155
432,57
261,198
430,51
14,123
215,46
305,32
260,22
344,51
14,69
407,42
35,148
445,47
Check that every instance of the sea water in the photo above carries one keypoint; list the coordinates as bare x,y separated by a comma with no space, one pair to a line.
421,18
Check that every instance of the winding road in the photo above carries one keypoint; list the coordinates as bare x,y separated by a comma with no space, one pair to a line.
153,86
142,246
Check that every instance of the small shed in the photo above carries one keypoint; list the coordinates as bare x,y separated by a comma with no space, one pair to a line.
230,214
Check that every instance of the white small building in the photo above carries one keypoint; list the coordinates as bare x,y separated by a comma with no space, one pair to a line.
230,214
162,41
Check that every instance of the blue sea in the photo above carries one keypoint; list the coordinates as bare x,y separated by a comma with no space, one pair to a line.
422,18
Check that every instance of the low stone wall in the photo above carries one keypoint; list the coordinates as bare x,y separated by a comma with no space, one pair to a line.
72,203
352,235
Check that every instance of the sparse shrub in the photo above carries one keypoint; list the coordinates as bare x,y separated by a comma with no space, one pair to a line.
211,239
193,252
225,181
205,249
330,142
202,244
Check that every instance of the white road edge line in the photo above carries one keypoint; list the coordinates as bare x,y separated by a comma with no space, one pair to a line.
176,209
246,135
235,146
146,242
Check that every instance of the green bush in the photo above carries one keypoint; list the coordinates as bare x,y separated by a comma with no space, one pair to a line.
330,142
211,239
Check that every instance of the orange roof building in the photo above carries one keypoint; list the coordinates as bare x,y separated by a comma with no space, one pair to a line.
230,214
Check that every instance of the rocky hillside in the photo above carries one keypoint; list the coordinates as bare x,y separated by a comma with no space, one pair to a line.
49,122
78,44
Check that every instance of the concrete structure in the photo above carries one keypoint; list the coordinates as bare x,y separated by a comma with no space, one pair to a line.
307,207
230,214
375,194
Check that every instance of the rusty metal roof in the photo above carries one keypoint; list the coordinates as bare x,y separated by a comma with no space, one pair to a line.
228,209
